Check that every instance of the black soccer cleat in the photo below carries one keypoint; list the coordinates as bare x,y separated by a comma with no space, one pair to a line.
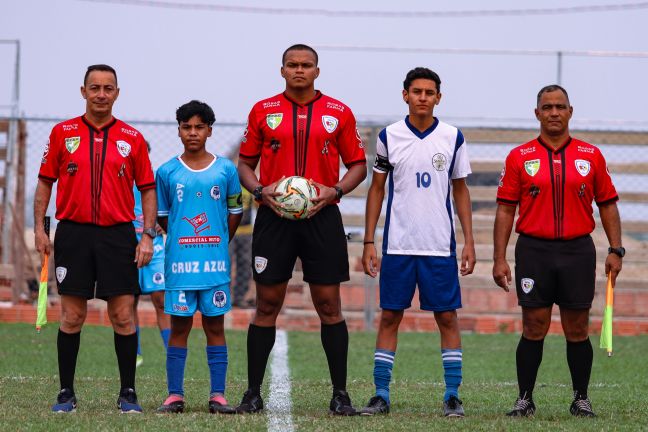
172,405
453,407
251,403
523,408
376,405
218,405
65,402
341,404
127,402
581,407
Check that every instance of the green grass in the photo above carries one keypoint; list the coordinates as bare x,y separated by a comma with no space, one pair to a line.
29,382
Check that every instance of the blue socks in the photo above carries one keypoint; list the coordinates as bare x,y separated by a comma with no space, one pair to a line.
165,333
217,361
139,348
383,364
176,358
452,359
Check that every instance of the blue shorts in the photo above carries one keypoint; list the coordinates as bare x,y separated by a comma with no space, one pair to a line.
213,301
151,276
437,279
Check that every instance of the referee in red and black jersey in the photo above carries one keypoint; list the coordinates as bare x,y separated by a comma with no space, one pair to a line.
96,159
554,179
300,132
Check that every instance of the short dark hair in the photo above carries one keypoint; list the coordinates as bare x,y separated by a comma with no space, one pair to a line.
195,108
549,89
299,47
421,73
99,67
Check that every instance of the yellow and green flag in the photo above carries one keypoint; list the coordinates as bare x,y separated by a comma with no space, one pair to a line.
606,328
41,311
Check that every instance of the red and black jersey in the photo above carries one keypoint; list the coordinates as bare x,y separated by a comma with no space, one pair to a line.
555,188
307,140
95,169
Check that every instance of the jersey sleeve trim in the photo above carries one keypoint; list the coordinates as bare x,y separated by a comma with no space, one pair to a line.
46,179
237,210
356,162
163,213
256,156
146,186
608,201
507,202
382,136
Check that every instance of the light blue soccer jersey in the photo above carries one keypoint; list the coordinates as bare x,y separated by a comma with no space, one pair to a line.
158,242
197,204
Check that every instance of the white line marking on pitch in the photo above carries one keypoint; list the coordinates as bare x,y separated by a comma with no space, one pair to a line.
279,403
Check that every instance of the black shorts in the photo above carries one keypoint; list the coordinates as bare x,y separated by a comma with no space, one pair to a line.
555,271
319,242
86,253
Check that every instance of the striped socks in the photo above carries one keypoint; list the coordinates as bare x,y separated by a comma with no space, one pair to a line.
452,359
383,364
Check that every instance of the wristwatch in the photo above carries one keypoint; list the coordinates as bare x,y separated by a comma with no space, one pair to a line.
258,193
338,192
151,232
620,251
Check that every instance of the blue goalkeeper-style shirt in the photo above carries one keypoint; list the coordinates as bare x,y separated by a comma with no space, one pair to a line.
197,204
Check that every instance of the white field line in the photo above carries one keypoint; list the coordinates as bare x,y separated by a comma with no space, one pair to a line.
279,403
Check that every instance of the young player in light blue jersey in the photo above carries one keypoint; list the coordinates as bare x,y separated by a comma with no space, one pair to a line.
426,163
151,278
199,206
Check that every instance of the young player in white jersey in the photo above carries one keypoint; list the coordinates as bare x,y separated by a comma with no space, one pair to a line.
426,163
199,206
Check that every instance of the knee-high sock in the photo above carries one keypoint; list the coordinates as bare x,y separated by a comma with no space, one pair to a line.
175,365
528,358
165,334
335,340
452,362
126,350
139,343
383,364
217,361
260,341
67,345
579,358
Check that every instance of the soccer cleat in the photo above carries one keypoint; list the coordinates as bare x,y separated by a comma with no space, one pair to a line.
139,360
341,404
127,401
172,405
65,402
523,408
453,407
376,405
251,403
218,405
581,407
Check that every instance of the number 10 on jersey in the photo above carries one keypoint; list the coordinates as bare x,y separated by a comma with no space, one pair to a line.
423,180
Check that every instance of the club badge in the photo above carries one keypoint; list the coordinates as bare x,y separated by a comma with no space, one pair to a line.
123,148
582,166
439,162
330,123
260,264
214,192
61,272
532,167
274,120
527,285
219,299
72,144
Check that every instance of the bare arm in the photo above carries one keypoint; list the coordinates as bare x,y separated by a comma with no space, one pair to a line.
233,221
501,234
353,177
249,180
41,201
144,250
461,196
375,198
612,226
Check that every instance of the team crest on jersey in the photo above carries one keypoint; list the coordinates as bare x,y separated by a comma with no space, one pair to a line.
123,148
158,278
527,285
439,162
532,167
260,264
214,192
583,167
330,123
274,120
219,299
72,144
61,272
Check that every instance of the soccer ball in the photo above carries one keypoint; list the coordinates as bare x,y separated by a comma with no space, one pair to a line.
297,193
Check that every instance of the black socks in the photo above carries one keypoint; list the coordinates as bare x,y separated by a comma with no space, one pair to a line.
126,350
67,345
260,341
528,358
335,340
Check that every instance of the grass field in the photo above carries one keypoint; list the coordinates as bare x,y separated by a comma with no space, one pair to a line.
29,383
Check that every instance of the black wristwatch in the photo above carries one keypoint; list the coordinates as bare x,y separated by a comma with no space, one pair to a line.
258,193
620,251
151,232
338,192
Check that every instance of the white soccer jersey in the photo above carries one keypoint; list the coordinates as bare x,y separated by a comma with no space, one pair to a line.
421,167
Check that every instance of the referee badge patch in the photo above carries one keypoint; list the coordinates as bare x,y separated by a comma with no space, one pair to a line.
532,167
330,123
582,166
274,120
60,273
260,264
527,285
124,148
72,144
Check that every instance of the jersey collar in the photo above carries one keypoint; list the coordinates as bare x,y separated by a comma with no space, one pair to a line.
318,94
417,132
91,125
550,148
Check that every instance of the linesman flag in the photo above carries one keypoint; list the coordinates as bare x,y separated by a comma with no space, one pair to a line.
41,314
606,328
